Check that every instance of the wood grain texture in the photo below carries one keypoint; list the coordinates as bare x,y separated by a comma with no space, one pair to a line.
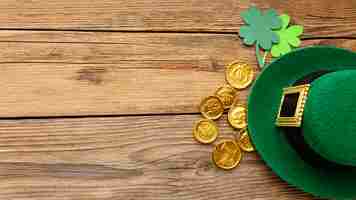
80,73
137,158
320,18
72,73
117,58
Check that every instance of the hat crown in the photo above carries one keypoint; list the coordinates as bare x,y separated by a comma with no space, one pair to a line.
329,122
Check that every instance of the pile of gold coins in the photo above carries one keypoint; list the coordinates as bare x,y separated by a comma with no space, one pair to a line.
226,154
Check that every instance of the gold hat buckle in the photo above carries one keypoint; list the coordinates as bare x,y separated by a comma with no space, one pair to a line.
292,104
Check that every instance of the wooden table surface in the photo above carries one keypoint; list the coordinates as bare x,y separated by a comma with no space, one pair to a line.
98,97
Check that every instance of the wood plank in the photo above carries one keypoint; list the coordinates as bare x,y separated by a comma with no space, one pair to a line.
138,158
320,18
71,73
80,73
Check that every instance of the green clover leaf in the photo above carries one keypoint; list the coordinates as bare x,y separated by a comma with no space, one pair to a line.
288,37
259,29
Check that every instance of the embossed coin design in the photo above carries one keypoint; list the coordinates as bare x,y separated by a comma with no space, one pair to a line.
205,131
212,107
227,95
227,154
237,117
245,142
239,75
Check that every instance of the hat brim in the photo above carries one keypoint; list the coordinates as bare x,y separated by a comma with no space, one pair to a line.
270,142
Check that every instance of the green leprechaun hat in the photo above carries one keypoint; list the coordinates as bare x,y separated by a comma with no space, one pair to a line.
302,120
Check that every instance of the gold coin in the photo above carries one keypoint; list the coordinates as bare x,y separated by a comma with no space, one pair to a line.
227,95
237,116
245,142
227,154
212,107
239,75
205,131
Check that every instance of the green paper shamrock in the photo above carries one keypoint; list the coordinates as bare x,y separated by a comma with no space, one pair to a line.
288,37
259,29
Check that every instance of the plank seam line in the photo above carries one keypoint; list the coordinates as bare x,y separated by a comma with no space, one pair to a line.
98,116
119,31
93,63
122,43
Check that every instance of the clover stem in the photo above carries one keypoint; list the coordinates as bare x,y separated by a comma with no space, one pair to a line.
264,57
260,60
